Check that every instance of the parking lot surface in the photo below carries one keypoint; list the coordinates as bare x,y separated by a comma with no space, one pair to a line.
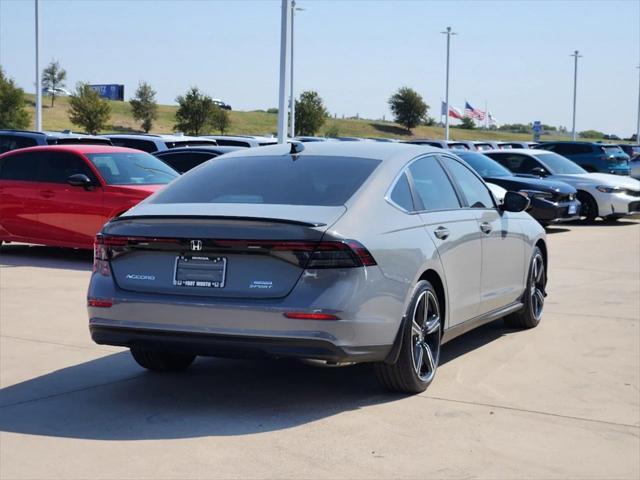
558,401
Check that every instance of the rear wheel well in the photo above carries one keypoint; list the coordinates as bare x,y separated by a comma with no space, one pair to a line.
543,248
434,279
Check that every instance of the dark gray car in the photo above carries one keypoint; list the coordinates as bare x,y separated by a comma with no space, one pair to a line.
343,252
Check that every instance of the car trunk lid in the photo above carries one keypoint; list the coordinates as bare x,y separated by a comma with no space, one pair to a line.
216,250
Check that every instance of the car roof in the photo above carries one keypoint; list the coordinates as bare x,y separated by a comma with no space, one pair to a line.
48,134
385,151
200,149
527,151
75,148
163,137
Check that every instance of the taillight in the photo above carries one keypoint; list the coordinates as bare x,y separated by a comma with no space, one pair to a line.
106,247
347,254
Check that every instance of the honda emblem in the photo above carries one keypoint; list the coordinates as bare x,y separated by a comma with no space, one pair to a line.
196,245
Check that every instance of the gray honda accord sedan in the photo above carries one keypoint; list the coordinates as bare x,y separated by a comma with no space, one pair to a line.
341,252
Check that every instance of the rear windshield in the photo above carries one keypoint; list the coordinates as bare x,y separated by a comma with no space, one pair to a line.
120,168
612,150
80,141
191,143
280,180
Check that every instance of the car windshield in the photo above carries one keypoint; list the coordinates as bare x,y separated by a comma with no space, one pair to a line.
558,164
280,180
485,166
124,168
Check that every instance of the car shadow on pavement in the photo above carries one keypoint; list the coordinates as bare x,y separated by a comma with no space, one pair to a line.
111,398
23,255
603,223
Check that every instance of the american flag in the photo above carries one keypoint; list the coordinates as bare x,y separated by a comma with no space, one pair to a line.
476,113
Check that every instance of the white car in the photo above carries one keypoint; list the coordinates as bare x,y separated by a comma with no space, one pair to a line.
58,92
602,194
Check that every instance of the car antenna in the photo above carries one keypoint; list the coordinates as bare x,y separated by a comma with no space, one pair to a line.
296,147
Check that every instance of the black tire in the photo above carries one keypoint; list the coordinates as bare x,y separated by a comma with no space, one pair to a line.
589,206
420,344
531,313
162,361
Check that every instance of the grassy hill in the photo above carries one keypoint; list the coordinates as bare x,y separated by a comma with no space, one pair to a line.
260,123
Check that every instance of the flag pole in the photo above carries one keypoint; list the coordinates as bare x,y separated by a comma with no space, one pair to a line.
284,65
486,118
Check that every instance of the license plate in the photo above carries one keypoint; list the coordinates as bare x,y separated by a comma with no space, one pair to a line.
200,271
573,209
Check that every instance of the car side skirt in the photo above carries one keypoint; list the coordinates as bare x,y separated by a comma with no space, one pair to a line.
476,322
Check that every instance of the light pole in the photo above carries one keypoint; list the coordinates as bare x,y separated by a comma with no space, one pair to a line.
292,98
576,55
448,33
284,54
638,127
38,84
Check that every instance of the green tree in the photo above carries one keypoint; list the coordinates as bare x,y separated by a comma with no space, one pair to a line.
408,108
196,112
53,77
13,113
144,107
310,113
221,120
88,110
591,134
468,123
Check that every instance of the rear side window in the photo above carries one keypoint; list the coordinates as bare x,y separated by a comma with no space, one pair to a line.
80,141
10,142
280,180
401,194
21,167
515,163
57,167
432,185
475,191
144,145
232,143
185,161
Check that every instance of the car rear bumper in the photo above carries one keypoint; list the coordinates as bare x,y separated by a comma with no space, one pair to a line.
210,344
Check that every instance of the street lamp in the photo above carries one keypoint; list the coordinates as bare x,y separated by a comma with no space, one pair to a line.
284,51
576,55
638,127
38,84
448,33
292,98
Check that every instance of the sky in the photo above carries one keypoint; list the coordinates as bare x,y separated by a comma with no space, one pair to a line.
513,56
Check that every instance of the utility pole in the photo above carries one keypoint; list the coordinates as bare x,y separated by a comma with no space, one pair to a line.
292,97
448,33
284,64
38,82
575,56
638,127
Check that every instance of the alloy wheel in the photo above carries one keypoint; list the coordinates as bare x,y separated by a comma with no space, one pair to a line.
425,336
537,283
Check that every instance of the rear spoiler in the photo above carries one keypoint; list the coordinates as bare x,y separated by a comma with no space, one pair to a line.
219,217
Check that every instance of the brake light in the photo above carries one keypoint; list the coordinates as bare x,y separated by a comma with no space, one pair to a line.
310,316
106,247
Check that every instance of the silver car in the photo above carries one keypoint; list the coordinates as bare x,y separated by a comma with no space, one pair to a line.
341,252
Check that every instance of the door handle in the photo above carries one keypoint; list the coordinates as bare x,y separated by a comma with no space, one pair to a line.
47,193
441,233
485,227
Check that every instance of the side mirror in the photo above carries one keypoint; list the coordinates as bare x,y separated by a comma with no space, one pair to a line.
515,202
80,180
541,172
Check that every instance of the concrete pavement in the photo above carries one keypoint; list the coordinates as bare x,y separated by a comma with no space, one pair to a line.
559,401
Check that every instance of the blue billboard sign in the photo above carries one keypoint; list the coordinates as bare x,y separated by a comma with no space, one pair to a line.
109,91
